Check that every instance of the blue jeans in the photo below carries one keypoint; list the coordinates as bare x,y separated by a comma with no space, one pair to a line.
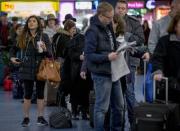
107,94
130,96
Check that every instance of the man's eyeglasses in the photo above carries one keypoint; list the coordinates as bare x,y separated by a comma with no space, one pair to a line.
108,17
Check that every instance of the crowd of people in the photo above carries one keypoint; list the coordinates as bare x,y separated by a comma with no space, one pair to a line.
86,55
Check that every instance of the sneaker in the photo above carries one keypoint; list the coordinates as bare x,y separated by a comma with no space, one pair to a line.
41,121
25,122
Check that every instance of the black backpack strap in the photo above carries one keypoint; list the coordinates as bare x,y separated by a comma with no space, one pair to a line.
55,44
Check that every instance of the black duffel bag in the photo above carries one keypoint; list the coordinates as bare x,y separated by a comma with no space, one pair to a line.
60,118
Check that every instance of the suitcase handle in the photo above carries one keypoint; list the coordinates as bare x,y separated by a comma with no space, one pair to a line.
145,63
166,89
145,69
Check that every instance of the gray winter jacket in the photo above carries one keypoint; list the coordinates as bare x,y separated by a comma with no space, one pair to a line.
159,29
134,32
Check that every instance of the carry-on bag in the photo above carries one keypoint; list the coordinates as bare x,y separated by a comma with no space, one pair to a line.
157,116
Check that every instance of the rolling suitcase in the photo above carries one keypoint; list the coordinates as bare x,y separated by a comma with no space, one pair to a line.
50,95
7,84
157,116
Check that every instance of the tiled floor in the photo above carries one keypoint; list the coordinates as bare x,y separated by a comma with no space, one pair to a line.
11,113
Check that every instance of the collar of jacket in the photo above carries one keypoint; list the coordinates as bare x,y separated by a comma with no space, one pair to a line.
61,30
173,37
120,38
128,17
95,21
38,36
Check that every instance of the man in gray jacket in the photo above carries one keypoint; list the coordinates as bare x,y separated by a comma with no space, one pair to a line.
160,26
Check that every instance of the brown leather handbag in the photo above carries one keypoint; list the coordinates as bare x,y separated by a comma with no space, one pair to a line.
49,70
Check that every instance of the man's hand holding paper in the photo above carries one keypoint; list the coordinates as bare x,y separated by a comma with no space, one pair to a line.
126,46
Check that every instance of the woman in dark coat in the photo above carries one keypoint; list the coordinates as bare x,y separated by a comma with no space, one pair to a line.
146,31
61,41
80,90
166,61
32,56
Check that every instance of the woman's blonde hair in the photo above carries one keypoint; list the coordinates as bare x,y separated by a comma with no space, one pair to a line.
120,29
171,29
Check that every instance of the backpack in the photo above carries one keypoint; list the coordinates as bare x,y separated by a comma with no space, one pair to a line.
60,118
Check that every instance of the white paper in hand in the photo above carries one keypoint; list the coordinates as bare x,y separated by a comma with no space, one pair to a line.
119,67
125,46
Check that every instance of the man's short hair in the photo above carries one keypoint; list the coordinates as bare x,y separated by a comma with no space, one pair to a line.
122,1
104,7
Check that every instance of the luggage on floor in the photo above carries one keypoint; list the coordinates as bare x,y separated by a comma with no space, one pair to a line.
60,118
50,95
173,91
7,84
157,116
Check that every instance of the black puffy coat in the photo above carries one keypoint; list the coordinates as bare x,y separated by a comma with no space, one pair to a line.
98,46
79,90
60,43
166,56
31,58
75,49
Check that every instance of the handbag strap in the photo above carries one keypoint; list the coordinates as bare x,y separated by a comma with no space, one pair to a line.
56,43
25,54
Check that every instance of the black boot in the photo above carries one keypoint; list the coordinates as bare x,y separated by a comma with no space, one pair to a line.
75,115
84,113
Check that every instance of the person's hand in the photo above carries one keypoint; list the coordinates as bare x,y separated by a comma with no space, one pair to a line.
83,75
43,46
158,77
146,56
112,56
82,57
14,60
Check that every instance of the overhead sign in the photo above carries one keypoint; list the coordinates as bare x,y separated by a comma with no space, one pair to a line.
83,5
135,4
29,6
150,4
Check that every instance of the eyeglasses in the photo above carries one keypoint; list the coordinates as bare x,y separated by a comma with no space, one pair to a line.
108,17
